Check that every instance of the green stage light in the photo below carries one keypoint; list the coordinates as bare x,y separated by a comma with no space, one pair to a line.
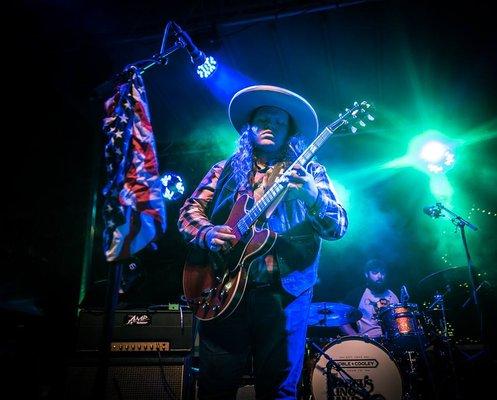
438,156
432,152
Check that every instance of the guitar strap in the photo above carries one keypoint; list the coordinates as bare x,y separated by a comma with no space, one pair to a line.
277,170
226,175
278,167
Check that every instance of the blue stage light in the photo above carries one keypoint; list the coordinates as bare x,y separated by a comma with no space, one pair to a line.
206,69
172,186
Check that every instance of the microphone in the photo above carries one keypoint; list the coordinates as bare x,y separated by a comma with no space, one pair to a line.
197,56
404,296
432,211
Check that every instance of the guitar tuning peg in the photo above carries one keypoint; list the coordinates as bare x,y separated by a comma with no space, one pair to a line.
356,103
340,115
370,117
354,113
347,110
353,129
362,123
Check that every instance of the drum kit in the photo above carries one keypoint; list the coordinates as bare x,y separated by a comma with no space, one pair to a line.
414,351
398,365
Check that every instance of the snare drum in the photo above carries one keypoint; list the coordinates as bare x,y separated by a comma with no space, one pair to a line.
401,325
367,362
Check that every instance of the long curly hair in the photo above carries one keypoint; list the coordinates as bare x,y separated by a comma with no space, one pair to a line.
243,161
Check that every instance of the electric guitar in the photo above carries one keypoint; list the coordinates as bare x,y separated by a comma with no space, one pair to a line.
214,282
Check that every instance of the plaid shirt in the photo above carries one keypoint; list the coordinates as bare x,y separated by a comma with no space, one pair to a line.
327,216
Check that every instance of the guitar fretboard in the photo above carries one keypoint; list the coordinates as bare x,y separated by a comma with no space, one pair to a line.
267,199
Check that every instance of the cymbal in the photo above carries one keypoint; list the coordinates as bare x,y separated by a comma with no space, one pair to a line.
332,314
441,272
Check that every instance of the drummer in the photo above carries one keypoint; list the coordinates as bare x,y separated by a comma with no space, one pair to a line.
369,298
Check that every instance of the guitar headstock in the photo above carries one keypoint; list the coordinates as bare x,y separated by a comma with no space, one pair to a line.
355,116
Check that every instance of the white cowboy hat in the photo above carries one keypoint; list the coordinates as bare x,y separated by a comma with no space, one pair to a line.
245,101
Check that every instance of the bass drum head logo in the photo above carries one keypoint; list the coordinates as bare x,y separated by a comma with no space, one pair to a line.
368,363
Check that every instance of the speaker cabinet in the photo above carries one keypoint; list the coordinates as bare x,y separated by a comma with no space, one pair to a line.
164,378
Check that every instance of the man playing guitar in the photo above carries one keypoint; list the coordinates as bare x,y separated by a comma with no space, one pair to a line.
268,323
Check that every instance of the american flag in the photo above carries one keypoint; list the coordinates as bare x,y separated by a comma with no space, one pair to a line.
134,212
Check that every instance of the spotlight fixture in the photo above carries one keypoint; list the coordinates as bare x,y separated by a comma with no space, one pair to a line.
206,69
172,186
438,156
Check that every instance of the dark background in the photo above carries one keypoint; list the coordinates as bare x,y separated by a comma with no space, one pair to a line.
416,61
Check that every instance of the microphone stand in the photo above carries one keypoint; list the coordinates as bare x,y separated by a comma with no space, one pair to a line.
116,268
111,300
461,223
160,58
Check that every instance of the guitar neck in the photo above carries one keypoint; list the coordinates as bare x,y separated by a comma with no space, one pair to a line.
273,193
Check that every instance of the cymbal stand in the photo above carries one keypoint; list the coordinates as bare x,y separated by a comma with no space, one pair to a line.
343,377
439,300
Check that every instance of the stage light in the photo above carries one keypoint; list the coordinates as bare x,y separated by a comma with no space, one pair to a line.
172,186
208,67
438,156
432,152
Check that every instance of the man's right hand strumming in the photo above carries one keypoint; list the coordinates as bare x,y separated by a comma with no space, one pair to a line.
218,237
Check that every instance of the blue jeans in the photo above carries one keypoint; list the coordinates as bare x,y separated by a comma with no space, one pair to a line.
269,327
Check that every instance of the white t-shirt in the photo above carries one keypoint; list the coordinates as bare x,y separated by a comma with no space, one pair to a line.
369,325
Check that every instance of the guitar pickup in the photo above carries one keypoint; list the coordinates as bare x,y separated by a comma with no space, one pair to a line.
207,292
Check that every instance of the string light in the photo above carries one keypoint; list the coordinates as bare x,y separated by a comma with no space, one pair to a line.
483,211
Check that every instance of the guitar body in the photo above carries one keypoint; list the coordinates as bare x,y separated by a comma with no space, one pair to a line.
214,282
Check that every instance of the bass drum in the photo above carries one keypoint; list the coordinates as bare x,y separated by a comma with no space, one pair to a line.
366,361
